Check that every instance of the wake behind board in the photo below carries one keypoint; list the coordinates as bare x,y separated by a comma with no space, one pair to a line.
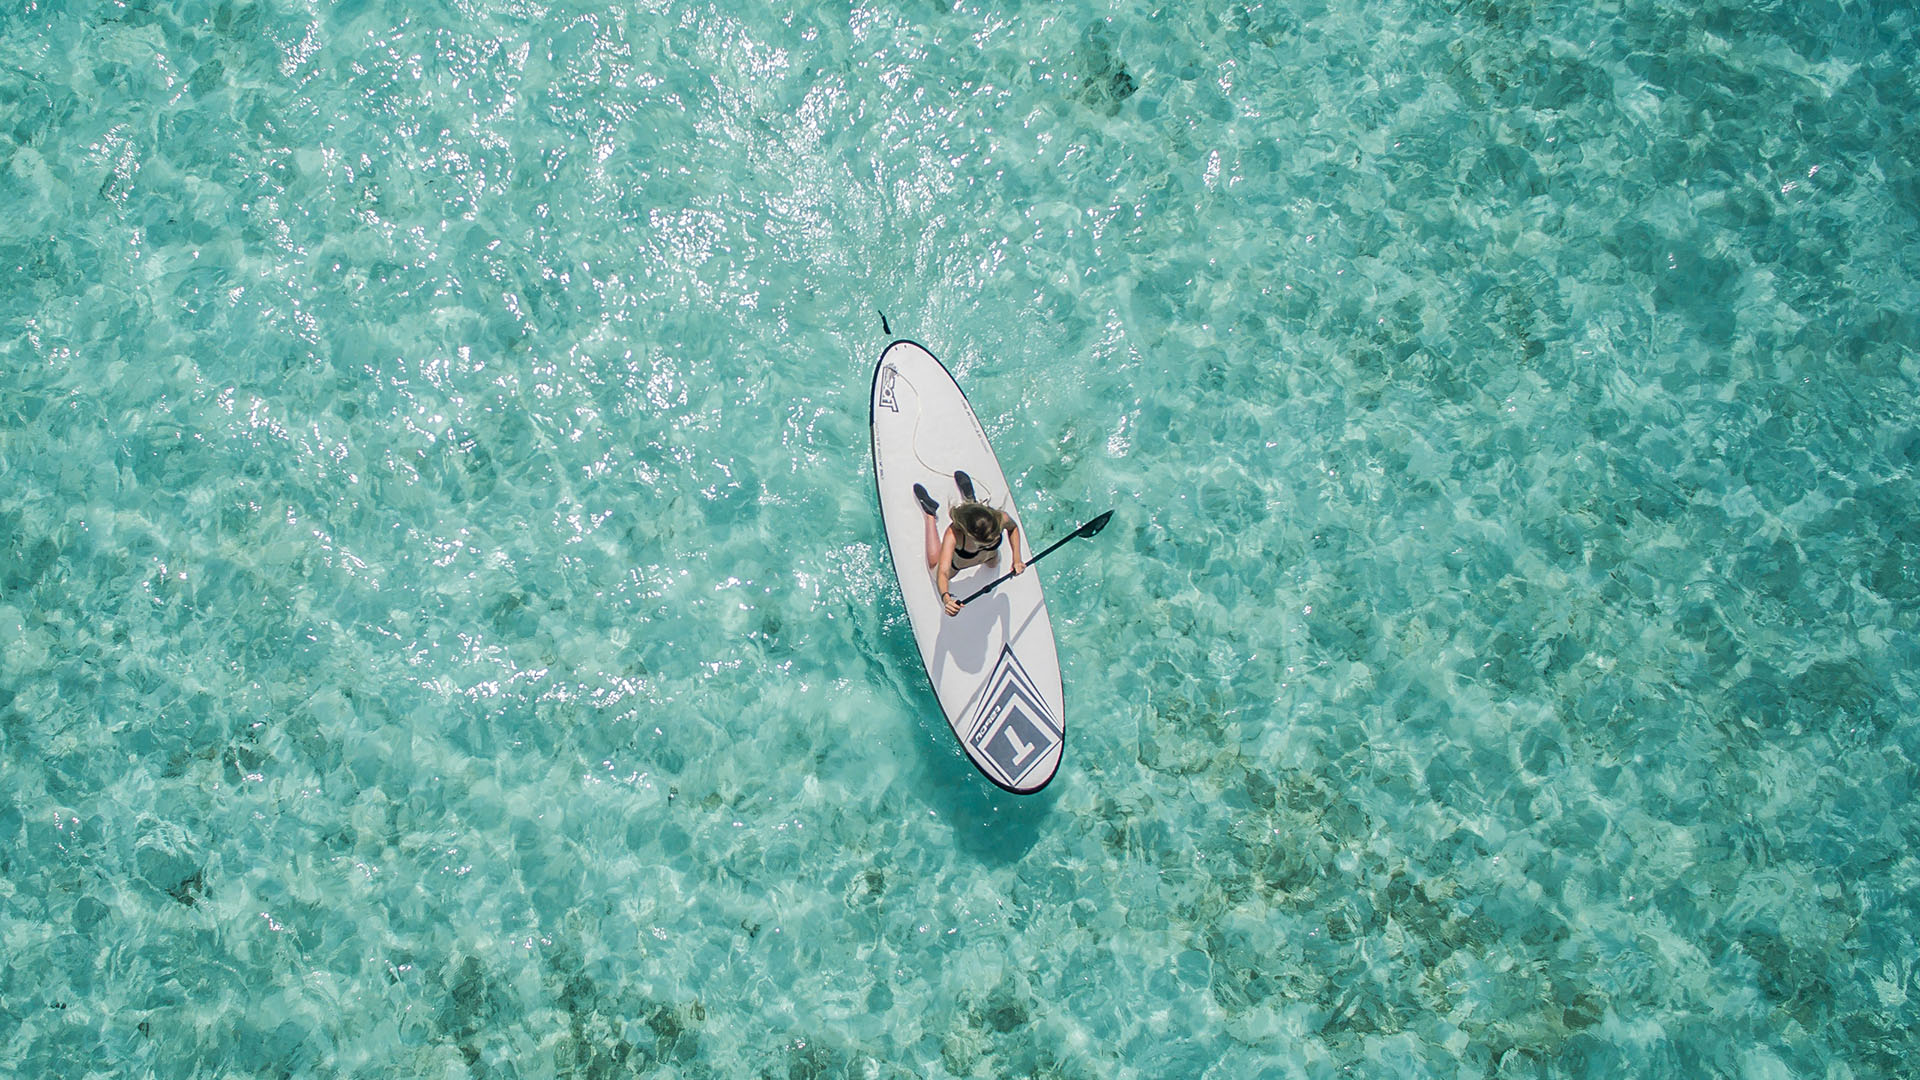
993,667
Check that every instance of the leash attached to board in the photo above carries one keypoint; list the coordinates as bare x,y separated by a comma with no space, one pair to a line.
1084,532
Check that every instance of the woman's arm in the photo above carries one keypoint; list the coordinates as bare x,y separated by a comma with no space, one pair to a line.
945,574
1013,537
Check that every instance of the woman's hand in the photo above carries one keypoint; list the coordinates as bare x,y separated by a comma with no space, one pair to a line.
1019,564
953,606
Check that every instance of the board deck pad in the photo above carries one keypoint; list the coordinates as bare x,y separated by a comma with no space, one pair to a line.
993,667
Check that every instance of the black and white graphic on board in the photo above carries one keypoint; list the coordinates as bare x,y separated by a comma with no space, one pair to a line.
1015,729
886,389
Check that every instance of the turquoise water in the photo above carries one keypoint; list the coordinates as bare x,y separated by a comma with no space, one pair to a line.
444,628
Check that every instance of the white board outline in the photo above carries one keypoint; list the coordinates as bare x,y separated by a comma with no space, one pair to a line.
965,655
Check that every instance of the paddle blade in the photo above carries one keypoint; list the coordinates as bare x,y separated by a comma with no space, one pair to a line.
1092,528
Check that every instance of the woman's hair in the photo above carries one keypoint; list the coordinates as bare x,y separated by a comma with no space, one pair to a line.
979,521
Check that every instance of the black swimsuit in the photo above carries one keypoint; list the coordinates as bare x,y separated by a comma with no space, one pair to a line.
961,555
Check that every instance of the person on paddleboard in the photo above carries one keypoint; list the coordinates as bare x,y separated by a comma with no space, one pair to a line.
975,535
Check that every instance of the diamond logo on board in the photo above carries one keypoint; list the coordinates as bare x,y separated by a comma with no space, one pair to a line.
1014,729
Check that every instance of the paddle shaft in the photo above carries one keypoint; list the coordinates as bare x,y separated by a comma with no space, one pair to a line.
1051,548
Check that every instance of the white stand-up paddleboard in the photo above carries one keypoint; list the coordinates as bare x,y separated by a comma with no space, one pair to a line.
993,666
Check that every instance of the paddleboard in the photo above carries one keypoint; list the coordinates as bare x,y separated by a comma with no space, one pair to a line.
993,667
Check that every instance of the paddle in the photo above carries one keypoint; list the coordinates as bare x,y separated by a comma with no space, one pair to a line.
1087,532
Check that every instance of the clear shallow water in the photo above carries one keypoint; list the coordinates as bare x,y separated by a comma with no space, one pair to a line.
442,623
